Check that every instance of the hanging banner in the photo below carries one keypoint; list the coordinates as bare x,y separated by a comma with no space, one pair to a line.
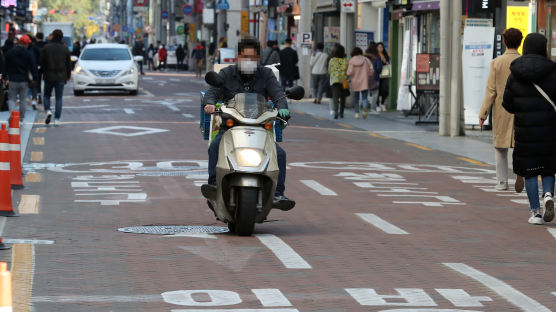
244,22
478,47
518,17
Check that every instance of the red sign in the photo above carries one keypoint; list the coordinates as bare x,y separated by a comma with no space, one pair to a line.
140,3
199,6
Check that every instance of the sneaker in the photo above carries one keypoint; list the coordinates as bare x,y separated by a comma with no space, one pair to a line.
331,113
356,115
536,217
501,186
548,215
383,107
48,117
34,104
282,202
57,122
519,184
373,112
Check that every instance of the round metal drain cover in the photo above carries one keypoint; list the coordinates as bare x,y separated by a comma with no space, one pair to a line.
174,229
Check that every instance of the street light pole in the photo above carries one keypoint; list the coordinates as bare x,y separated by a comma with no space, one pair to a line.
455,109
444,100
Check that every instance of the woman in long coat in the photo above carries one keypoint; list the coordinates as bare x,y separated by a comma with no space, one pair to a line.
503,122
534,123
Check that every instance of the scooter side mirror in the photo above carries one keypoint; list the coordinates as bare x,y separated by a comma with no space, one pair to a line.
214,79
295,93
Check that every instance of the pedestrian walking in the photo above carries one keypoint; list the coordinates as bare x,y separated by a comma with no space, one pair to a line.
150,55
20,70
361,71
503,122
56,68
384,82
319,72
162,57
289,72
337,68
10,41
530,95
34,84
269,55
139,50
76,49
198,54
180,56
39,44
372,54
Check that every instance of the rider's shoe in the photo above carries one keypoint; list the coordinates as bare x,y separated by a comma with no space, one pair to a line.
282,202
209,191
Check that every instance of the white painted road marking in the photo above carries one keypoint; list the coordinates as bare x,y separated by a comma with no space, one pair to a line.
550,230
137,130
129,111
504,290
236,310
27,241
271,297
288,256
187,115
87,106
321,189
78,298
381,224
460,298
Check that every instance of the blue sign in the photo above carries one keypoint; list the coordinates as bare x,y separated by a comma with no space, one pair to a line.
222,5
164,14
124,28
188,9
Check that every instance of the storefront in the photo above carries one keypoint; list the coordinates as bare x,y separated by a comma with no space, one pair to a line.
547,24
326,23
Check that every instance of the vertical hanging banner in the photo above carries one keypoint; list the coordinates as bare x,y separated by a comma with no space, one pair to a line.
192,33
478,48
244,22
518,17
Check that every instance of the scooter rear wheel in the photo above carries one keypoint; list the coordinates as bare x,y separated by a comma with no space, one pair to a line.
246,211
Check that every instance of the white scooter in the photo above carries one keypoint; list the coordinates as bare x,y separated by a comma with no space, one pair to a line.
247,167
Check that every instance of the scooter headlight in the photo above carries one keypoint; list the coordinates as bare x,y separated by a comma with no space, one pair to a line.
248,157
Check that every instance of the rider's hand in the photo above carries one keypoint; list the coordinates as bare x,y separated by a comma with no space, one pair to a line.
284,113
209,108
481,122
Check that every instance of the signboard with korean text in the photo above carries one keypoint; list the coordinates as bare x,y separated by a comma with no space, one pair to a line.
362,38
518,17
244,22
428,72
348,6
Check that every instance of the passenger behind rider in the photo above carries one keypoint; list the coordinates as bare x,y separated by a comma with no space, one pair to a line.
248,76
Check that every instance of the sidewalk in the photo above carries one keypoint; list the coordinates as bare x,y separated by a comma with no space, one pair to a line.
26,127
475,145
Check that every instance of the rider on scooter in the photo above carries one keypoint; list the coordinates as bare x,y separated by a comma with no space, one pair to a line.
251,77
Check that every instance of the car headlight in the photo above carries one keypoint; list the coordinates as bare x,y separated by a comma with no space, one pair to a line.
131,71
78,69
248,157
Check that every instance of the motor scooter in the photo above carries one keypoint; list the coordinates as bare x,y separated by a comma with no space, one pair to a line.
247,167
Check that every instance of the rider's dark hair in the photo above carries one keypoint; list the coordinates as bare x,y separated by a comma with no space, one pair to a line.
249,42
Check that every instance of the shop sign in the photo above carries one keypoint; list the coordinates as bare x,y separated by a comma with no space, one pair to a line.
348,6
362,39
199,5
208,16
244,22
518,17
192,33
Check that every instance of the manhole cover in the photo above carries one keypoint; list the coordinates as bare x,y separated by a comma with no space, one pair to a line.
174,229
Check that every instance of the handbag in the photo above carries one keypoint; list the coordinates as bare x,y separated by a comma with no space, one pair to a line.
386,71
541,91
345,84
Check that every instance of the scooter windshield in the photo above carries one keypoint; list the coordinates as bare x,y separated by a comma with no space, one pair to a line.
249,105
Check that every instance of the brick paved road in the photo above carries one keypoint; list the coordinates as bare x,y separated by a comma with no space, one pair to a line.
380,225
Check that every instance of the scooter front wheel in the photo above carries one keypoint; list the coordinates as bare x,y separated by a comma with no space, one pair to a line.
246,211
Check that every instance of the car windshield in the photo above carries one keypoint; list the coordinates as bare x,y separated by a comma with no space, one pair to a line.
108,54
249,105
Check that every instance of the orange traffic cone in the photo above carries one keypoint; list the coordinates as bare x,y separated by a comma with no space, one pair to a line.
14,136
6,301
6,208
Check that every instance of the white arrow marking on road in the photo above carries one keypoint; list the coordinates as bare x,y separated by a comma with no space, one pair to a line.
27,241
550,230
188,116
129,111
271,297
381,223
284,253
321,189
222,253
503,289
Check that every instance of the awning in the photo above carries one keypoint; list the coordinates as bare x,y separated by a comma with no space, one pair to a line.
425,5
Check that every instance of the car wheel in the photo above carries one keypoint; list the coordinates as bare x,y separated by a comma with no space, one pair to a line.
78,92
133,92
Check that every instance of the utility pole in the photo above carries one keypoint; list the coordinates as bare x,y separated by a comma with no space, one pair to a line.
304,51
444,101
455,111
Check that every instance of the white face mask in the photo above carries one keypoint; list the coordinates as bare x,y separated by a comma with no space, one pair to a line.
247,67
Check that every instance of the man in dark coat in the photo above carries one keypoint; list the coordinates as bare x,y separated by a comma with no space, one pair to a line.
20,63
288,65
248,76
139,50
39,45
180,56
56,69
534,123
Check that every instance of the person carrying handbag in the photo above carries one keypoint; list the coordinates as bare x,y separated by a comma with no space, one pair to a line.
360,70
337,68
529,95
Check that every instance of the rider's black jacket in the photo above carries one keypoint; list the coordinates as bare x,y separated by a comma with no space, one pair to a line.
263,82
